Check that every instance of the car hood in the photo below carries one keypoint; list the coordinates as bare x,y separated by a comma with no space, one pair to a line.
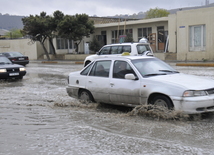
10,66
190,82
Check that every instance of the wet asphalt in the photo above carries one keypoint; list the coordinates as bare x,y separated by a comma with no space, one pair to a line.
38,117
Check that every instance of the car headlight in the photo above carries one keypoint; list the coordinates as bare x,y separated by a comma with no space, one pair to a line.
22,69
3,70
191,93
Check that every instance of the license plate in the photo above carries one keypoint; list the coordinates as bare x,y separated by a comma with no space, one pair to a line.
14,74
21,58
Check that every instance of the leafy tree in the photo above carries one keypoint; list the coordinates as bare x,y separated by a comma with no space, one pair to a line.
156,13
37,27
75,28
14,33
94,45
42,27
57,17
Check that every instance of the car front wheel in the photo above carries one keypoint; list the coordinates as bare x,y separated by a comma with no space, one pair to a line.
162,102
85,96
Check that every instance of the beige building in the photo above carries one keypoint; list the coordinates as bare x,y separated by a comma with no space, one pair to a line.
191,34
184,36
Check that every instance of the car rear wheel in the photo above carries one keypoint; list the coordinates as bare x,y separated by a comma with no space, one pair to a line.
162,102
85,96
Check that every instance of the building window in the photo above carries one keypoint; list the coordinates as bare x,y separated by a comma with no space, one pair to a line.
197,38
63,43
144,32
115,35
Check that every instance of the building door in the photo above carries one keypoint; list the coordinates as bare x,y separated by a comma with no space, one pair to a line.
152,41
86,48
161,43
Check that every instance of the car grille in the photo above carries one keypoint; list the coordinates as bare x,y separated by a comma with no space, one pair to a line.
210,91
13,70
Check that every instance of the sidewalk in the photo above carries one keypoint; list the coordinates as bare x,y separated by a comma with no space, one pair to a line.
56,61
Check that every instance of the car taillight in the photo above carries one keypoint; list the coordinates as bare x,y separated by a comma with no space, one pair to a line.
13,59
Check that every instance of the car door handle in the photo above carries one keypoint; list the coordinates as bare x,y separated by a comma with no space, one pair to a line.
90,81
111,84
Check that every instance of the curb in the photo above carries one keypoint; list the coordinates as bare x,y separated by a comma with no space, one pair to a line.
59,62
196,64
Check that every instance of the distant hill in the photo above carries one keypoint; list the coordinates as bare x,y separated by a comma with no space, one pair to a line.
9,22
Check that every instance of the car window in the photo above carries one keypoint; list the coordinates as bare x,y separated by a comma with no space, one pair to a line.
6,54
105,50
4,60
101,68
15,54
126,49
152,66
121,68
114,50
141,48
86,70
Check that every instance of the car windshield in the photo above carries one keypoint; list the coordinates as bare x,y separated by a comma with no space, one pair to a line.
4,60
152,67
141,48
15,54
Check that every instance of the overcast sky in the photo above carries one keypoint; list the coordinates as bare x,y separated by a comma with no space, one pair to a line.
91,7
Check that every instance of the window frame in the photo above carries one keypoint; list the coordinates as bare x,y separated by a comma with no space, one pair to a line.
193,44
107,68
144,32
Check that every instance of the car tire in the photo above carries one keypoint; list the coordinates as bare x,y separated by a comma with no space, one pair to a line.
85,96
162,101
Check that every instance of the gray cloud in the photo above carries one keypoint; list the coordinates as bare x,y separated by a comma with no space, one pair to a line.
91,7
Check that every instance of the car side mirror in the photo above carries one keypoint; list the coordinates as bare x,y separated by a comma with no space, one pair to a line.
131,77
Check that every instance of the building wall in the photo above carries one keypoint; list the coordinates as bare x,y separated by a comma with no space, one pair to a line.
132,25
172,24
185,19
177,25
23,46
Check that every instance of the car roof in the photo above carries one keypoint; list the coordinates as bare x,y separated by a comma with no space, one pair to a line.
130,43
11,52
125,58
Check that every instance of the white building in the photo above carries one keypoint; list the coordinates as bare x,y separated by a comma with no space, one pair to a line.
185,36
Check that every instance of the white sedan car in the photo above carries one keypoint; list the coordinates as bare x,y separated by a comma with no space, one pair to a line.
137,80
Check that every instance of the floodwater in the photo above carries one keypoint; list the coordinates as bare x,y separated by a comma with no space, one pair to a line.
38,117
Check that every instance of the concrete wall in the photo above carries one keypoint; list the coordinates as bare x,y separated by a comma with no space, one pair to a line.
73,50
185,19
23,46
172,24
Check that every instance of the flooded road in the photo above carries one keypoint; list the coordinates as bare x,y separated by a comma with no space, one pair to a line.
38,117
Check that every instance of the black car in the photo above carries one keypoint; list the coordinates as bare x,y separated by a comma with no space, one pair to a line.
8,70
16,58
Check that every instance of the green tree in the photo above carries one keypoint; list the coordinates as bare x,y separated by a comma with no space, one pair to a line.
53,23
14,34
75,28
42,27
95,45
37,28
156,13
